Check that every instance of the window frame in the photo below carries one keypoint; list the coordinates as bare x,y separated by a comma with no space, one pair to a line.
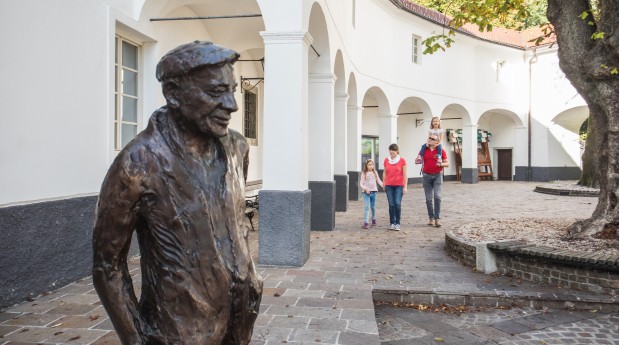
415,49
119,95
246,113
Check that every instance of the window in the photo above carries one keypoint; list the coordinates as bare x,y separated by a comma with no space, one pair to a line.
125,92
415,49
249,116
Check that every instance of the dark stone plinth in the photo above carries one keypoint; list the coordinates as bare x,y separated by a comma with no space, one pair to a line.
342,192
354,185
284,237
323,214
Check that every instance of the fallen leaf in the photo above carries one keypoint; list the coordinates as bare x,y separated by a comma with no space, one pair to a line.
438,339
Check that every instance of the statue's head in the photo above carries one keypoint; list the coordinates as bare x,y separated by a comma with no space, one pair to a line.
198,83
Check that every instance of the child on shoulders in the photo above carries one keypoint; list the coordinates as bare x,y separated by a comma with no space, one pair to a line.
434,129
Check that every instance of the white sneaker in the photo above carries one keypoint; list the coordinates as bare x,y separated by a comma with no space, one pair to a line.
392,226
397,227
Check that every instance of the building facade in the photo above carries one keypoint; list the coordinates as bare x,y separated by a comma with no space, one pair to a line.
321,85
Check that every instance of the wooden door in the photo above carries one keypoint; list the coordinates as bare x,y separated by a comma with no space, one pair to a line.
504,164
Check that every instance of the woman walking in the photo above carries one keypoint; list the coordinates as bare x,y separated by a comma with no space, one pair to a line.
395,181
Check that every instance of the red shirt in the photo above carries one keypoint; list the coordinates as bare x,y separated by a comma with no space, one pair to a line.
430,161
394,173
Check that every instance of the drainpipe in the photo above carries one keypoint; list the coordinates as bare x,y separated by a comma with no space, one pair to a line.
532,60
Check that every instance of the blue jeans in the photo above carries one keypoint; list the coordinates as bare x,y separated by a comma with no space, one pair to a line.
421,153
394,196
369,204
432,192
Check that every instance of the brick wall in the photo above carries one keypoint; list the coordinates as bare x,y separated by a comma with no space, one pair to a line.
570,272
461,250
579,278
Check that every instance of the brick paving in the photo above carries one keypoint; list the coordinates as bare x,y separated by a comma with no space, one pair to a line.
330,299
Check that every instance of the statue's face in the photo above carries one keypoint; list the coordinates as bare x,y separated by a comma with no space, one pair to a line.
207,99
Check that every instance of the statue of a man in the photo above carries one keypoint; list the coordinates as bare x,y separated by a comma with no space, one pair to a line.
180,186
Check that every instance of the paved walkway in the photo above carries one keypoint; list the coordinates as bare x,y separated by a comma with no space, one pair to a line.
330,299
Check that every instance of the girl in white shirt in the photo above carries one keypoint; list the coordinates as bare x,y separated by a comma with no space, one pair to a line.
368,182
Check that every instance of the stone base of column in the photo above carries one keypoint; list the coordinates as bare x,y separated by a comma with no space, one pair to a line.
469,175
342,192
354,185
284,235
323,213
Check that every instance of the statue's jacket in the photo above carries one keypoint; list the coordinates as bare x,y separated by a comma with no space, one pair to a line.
198,278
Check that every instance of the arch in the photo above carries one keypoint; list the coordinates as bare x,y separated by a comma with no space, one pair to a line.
457,112
412,126
571,119
319,51
375,97
516,120
504,145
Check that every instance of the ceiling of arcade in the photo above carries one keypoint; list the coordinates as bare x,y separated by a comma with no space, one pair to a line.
238,31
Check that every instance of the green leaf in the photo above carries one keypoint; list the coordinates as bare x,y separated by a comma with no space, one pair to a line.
614,71
598,35
584,15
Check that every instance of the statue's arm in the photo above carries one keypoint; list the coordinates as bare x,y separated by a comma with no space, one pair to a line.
114,225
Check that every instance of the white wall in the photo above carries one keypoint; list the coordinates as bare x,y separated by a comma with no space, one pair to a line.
56,133
55,99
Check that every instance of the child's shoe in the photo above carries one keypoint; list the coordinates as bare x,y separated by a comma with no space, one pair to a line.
365,226
418,160
374,222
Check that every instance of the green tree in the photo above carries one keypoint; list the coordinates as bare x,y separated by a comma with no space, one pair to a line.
536,12
587,36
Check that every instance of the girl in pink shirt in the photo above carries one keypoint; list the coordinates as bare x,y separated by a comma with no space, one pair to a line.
368,182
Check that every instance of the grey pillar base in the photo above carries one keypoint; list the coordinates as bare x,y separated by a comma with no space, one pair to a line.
323,214
469,175
284,235
354,185
342,189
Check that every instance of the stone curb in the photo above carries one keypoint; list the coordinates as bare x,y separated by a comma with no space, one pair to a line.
603,262
495,299
567,191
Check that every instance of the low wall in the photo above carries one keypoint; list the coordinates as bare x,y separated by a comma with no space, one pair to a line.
44,246
576,270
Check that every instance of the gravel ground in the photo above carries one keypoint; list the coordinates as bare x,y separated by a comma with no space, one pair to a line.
545,232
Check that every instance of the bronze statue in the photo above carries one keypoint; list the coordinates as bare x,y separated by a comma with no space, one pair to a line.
180,186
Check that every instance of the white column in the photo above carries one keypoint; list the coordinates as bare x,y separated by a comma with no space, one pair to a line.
286,110
387,135
285,199
321,126
354,137
469,169
340,134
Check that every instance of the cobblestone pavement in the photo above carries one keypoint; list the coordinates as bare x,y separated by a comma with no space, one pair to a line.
330,299
400,326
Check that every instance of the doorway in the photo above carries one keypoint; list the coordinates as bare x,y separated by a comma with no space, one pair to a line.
504,164
370,149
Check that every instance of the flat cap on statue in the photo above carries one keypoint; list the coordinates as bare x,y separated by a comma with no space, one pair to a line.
187,57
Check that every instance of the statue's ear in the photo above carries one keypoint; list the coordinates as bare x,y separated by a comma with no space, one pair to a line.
171,90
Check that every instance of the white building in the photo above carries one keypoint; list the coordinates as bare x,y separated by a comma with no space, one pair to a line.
79,82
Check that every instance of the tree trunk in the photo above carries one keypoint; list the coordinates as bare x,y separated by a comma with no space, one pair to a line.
587,64
589,159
